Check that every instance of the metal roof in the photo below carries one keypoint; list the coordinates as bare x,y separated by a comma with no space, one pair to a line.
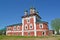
39,21
14,25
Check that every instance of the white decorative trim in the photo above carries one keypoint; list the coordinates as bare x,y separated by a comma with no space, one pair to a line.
14,28
22,26
41,30
34,30
12,31
35,25
25,31
29,31
28,18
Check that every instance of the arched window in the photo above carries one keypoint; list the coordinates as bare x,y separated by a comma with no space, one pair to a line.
31,26
41,25
44,33
28,20
15,28
18,27
26,27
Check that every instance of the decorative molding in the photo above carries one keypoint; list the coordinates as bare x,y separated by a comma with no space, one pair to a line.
13,31
15,28
22,26
26,31
34,25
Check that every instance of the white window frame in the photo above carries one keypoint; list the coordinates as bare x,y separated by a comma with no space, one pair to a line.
26,26
18,27
14,28
9,28
30,27
40,25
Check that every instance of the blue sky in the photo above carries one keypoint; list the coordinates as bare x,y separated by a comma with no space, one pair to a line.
12,10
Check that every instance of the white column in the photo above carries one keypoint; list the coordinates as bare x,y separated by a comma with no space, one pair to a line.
6,32
34,25
22,26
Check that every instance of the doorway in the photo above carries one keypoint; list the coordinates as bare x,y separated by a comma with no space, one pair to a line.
43,33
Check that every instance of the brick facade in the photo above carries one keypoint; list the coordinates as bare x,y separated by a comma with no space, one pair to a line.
31,25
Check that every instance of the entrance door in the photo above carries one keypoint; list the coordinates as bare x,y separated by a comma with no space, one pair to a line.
43,33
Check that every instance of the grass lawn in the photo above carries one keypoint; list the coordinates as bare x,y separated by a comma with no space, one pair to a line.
3,37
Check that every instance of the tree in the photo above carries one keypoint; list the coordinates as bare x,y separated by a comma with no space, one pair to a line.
3,31
56,24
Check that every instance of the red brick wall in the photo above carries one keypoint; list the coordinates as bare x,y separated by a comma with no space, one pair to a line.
31,33
37,26
14,34
12,28
39,33
47,33
21,28
45,26
31,22
26,34
28,24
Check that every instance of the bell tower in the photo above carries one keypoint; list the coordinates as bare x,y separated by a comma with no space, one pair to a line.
32,10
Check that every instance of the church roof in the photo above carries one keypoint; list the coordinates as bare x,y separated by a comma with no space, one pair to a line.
14,25
39,21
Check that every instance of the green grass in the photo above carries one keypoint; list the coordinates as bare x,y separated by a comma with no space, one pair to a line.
3,37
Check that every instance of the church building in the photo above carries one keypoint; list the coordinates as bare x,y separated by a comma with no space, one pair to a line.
31,25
